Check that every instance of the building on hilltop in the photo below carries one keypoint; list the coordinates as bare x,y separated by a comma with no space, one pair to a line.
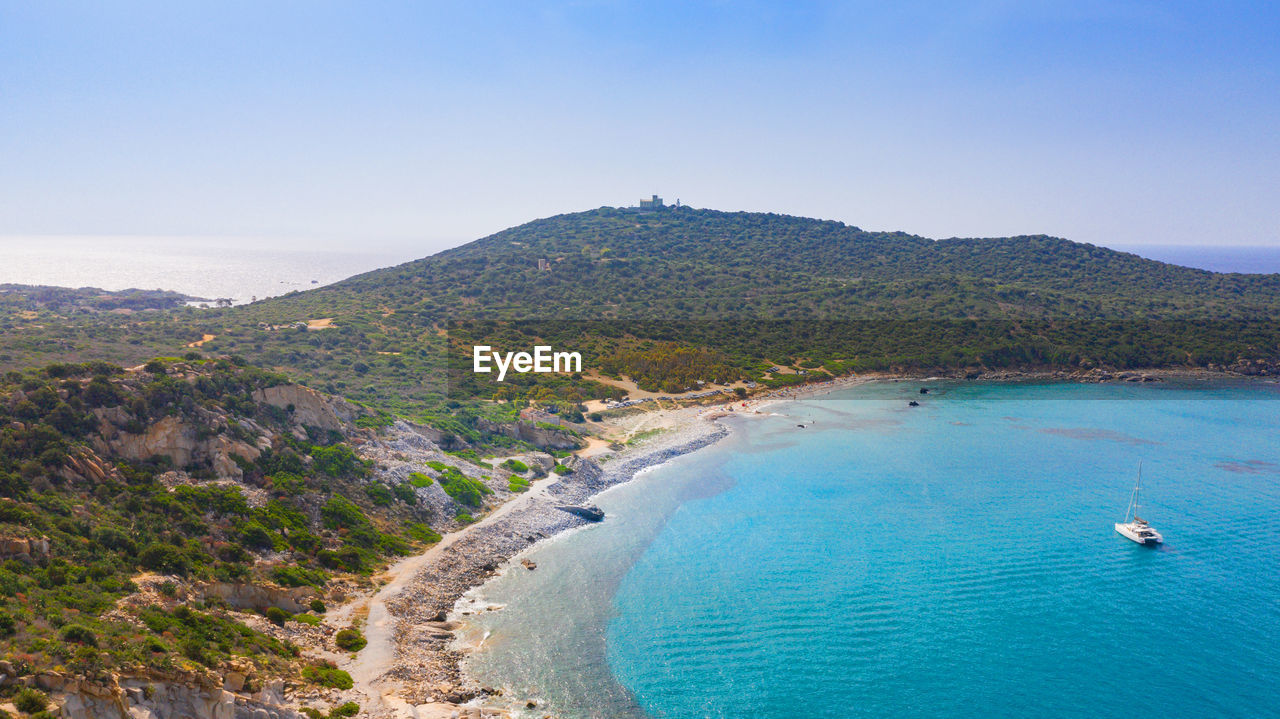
653,204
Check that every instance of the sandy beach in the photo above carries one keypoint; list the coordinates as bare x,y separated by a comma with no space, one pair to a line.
408,668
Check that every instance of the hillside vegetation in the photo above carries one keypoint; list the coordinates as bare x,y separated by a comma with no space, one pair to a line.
664,297
126,496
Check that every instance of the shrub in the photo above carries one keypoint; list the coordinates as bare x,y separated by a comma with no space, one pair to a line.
348,709
79,634
328,677
308,619
30,701
164,558
375,421
317,605
379,494
516,466
294,576
277,615
350,639
304,541
339,512
7,623
561,469
463,489
464,518
337,461
405,493
418,479
597,417
422,533
195,650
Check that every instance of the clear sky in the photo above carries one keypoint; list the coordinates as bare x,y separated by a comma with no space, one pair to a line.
432,123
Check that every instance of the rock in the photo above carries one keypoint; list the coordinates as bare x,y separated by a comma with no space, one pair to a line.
233,681
193,697
308,407
541,437
272,692
435,710
50,682
259,596
180,441
590,513
529,564
23,548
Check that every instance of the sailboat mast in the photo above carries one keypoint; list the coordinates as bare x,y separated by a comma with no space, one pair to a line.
1137,491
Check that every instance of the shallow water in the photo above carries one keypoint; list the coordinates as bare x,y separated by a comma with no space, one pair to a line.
956,559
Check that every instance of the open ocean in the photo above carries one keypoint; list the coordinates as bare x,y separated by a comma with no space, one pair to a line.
952,560
208,268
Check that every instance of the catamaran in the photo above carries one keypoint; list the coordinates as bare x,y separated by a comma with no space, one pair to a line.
1135,527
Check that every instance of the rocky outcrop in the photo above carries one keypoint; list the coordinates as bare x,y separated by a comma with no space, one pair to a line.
306,407
541,437
86,466
443,440
1253,367
192,697
23,548
259,597
182,442
591,513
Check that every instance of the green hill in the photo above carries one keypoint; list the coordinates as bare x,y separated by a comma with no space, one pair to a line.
682,263
643,293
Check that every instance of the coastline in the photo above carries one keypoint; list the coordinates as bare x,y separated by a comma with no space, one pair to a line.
411,671
416,674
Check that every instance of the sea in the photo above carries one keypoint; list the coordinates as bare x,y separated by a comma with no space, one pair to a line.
239,269
955,559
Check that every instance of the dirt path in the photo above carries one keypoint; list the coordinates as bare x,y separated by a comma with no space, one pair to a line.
378,657
595,447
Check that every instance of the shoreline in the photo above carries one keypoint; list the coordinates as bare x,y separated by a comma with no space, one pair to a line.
419,675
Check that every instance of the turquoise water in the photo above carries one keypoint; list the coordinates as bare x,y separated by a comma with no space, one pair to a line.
956,559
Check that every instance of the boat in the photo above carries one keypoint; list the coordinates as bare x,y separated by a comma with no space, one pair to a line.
1135,527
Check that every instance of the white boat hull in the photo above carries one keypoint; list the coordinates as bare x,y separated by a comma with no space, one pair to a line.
1141,534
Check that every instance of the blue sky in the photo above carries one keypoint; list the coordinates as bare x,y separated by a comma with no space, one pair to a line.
429,124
